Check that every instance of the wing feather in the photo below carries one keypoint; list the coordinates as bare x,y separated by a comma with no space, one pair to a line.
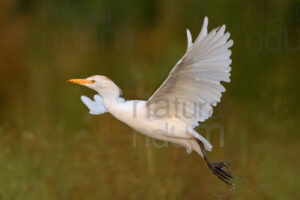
96,107
195,79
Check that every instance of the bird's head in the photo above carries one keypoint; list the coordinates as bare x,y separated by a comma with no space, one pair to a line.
101,84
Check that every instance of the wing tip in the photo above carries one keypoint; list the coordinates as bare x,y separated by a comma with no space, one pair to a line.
189,38
205,20
205,23
83,97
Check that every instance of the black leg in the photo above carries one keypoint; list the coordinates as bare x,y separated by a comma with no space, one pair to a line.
218,168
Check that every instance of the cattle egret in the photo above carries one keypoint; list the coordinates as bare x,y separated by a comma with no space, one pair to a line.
185,98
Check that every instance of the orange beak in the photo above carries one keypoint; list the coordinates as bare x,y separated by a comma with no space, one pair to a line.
80,81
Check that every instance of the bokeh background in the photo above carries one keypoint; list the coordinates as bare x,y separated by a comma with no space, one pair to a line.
51,148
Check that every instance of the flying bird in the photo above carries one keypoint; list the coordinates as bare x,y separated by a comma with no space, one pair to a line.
183,100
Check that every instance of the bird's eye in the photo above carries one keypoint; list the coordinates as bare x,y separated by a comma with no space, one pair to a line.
93,81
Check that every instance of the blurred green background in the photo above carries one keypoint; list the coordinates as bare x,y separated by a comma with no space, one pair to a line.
51,148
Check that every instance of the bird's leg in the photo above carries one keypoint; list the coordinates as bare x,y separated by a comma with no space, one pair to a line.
216,167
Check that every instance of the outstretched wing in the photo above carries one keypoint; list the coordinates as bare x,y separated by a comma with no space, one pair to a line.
96,107
193,86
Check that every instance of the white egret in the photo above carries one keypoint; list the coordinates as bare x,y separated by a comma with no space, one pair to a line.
185,98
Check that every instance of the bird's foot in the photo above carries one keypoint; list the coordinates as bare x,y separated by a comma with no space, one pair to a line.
218,168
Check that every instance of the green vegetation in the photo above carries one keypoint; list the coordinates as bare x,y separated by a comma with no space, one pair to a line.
51,148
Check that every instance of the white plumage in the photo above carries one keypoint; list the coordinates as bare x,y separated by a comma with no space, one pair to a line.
185,98
96,107
196,77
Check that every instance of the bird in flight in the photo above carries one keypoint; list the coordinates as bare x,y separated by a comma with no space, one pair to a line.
184,99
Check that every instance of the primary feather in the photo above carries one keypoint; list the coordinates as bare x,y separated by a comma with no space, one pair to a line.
96,107
195,79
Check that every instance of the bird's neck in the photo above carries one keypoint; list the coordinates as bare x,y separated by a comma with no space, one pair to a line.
114,105
110,96
110,99
111,93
